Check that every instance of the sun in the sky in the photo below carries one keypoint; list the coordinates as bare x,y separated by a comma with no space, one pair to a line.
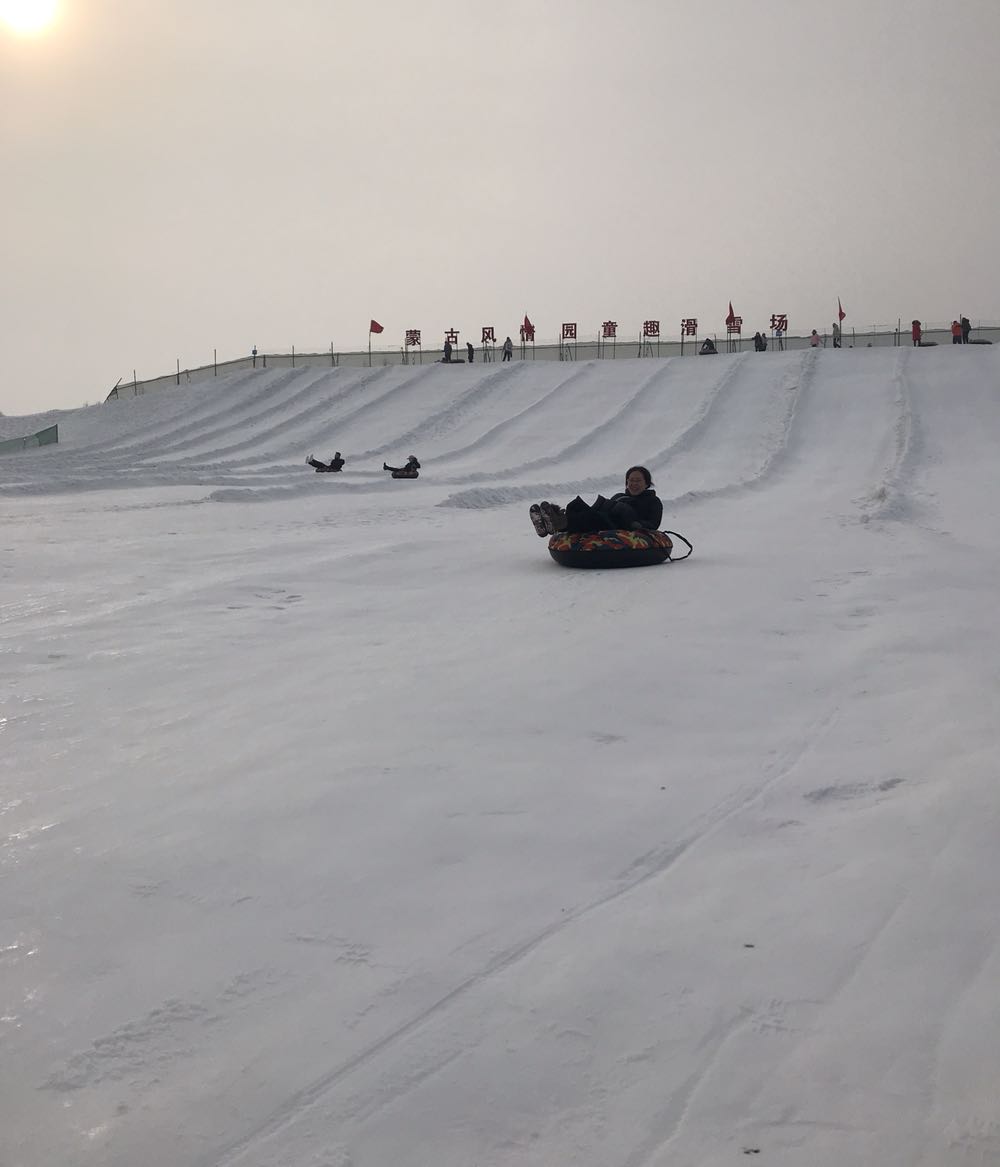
28,17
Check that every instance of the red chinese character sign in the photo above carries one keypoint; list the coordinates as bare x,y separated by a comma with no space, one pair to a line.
609,331
567,342
651,328
734,327
412,340
527,332
689,327
569,332
779,325
489,342
650,332
734,323
451,335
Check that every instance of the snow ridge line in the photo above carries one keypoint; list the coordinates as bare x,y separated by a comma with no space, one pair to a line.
644,869
645,389
193,421
449,415
305,390
797,382
501,427
239,412
228,415
160,409
890,498
794,381
715,400
483,497
251,491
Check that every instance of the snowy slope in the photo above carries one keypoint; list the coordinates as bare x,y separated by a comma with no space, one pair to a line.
339,827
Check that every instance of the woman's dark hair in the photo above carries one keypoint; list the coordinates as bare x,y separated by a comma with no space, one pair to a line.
643,471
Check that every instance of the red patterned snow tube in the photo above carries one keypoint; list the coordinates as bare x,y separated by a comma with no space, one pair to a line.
614,548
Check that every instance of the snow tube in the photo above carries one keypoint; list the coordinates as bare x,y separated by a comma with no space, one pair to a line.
614,548
980,341
404,473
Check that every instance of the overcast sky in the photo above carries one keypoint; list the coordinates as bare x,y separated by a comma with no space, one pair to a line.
182,176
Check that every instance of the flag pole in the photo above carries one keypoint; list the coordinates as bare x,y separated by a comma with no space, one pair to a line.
369,347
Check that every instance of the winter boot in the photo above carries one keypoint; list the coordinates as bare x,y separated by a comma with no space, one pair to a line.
554,516
538,520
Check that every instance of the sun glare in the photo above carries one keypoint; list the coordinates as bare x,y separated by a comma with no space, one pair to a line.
28,17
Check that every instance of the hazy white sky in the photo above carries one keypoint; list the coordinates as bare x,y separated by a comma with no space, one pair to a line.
182,176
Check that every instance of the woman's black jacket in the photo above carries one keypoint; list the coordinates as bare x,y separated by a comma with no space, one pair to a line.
631,510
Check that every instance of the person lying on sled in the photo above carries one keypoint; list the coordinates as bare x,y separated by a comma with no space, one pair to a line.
336,464
410,470
635,509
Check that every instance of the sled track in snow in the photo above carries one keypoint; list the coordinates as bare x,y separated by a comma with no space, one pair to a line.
890,498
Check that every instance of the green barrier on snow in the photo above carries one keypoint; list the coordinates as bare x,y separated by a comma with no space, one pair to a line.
45,437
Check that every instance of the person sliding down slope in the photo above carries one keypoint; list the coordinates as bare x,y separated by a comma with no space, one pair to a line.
410,470
336,464
635,509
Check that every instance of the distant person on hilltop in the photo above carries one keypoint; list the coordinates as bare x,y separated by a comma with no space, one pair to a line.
759,342
966,329
815,340
917,332
836,334
508,349
447,352
956,332
335,465
471,351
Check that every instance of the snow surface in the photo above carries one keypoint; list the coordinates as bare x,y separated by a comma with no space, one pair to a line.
342,828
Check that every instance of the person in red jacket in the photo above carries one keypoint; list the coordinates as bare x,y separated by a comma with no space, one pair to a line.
956,332
917,333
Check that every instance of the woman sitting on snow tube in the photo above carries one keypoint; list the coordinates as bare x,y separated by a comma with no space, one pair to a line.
621,531
635,509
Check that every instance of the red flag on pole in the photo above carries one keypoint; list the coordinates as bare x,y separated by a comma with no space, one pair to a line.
375,327
527,324
731,318
840,311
